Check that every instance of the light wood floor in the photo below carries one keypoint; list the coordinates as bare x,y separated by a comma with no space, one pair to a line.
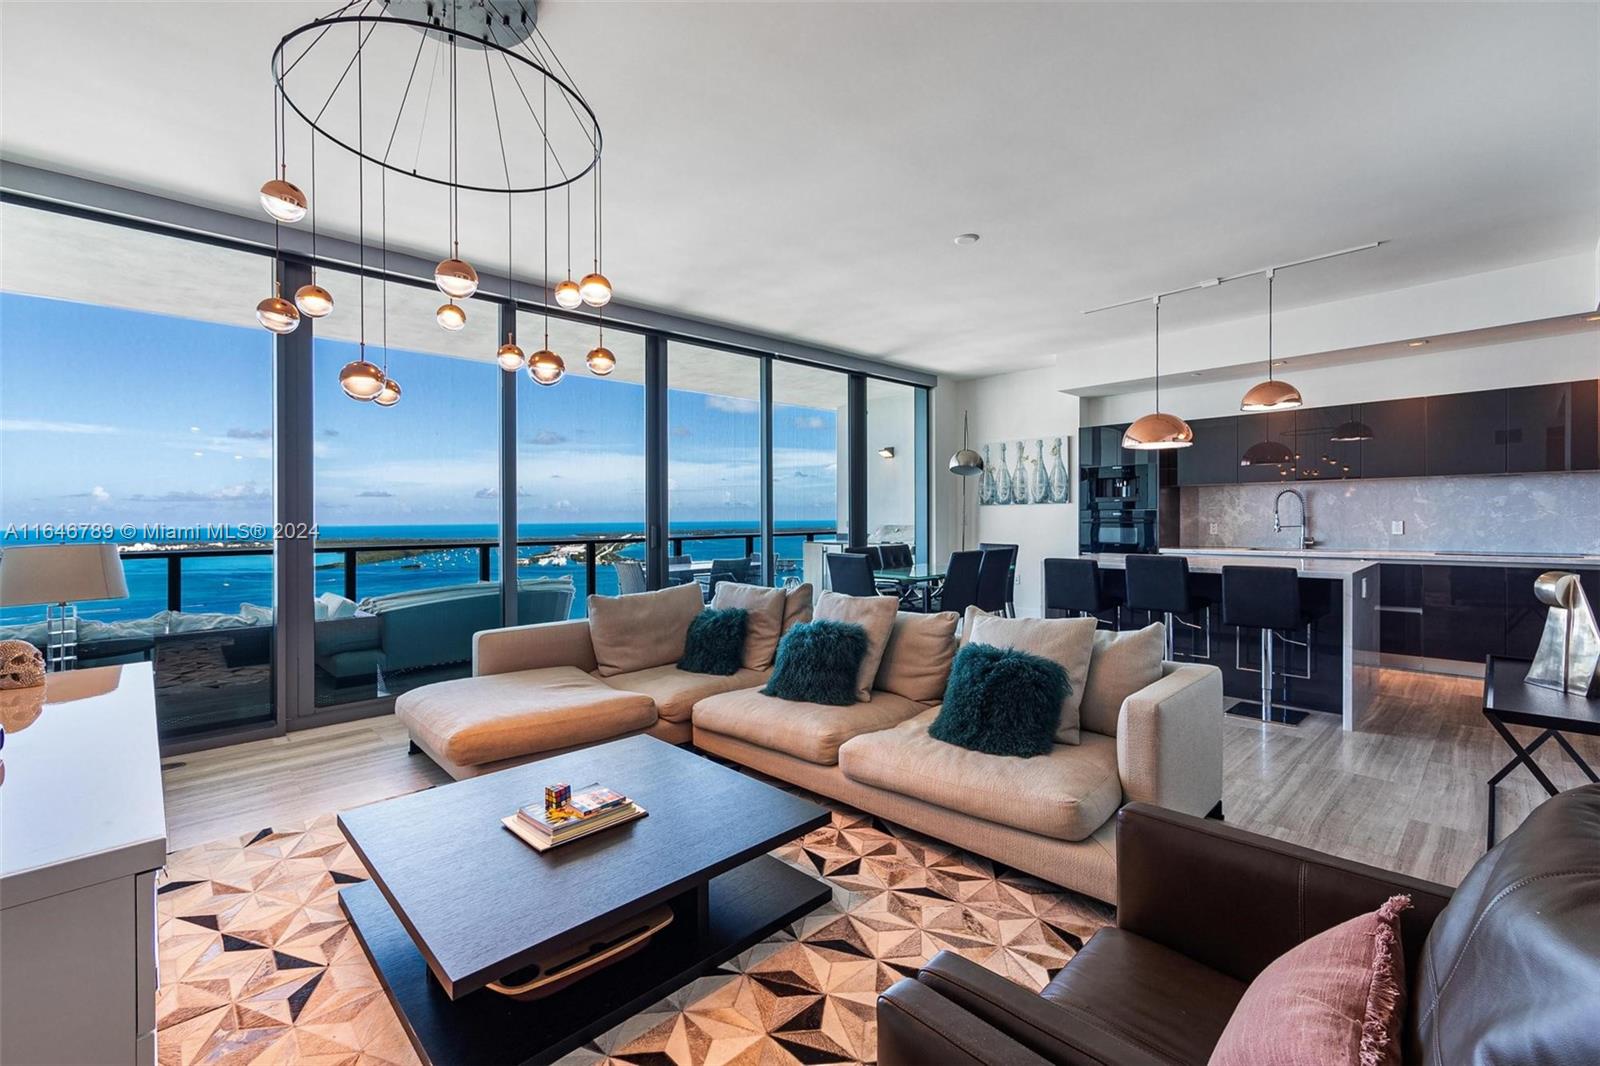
1408,795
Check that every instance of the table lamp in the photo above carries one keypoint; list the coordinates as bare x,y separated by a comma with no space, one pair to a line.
59,576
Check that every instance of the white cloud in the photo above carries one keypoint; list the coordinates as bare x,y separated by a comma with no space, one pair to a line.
25,425
100,494
738,405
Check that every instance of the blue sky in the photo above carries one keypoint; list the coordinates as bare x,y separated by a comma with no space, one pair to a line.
109,415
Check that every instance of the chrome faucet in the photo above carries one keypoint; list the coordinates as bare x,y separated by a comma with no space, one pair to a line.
1304,525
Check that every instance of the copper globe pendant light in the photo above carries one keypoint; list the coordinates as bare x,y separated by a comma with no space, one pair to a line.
1158,430
276,314
545,367
361,379
567,294
312,299
280,197
600,360
1271,394
595,288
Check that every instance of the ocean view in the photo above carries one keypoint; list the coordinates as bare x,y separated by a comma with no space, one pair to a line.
222,583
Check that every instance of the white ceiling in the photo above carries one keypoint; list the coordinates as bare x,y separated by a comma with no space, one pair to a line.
801,168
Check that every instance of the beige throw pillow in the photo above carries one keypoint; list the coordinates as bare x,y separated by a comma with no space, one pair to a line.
1064,641
916,661
643,629
796,606
1122,664
763,608
876,615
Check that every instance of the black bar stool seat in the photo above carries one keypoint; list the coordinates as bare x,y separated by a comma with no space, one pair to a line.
1266,599
1076,587
1159,584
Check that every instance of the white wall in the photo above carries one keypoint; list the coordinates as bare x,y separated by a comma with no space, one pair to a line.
1535,361
1021,405
891,483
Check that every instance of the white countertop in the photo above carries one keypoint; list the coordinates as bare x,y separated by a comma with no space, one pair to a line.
1211,562
82,800
1394,556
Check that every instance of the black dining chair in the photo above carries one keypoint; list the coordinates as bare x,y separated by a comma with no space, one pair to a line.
994,578
734,570
1011,580
960,582
1075,587
679,570
897,556
850,573
874,554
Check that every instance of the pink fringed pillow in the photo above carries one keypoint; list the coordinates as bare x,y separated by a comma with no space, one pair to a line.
1337,998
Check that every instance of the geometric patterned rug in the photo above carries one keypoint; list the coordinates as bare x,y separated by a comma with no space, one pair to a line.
258,964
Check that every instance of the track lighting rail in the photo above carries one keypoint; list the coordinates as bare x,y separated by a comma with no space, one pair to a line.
1211,283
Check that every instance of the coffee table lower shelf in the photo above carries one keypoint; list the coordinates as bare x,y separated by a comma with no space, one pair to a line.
745,905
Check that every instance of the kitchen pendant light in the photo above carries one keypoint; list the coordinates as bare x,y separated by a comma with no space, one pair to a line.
1271,394
1158,431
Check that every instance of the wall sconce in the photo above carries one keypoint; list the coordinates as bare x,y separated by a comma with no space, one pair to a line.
886,452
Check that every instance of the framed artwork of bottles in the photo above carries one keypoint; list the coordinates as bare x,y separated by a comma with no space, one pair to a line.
1029,470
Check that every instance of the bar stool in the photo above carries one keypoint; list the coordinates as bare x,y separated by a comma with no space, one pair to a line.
1265,598
1159,584
1074,585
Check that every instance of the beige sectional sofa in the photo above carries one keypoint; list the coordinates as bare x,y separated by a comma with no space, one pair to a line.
1149,731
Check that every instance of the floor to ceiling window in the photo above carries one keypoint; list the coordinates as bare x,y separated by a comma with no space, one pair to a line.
891,462
713,465
113,427
580,473
809,424
405,496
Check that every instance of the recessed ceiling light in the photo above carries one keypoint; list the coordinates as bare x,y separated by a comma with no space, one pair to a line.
966,238
1280,362
1415,344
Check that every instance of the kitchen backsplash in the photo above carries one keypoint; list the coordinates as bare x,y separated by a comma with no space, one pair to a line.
1555,513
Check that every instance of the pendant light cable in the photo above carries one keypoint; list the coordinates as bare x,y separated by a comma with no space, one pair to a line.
1269,325
361,189
1157,302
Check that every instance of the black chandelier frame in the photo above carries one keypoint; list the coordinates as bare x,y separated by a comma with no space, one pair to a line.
454,36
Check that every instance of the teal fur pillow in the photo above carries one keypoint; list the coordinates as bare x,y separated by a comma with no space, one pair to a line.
1001,701
715,642
818,662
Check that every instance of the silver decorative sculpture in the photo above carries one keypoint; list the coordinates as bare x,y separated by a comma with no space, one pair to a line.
1568,658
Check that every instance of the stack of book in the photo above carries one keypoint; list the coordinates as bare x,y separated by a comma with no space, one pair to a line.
588,810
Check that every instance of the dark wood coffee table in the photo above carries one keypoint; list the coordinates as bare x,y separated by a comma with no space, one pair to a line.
456,901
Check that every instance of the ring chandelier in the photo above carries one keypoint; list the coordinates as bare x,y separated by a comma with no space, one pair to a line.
478,57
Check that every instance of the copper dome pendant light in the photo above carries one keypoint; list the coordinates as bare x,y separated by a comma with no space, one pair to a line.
1158,431
1271,394
545,367
312,299
361,379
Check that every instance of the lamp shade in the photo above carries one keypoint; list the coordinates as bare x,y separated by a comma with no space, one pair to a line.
1157,432
1271,395
1266,453
966,463
61,573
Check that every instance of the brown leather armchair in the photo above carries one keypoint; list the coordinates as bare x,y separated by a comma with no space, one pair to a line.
1504,970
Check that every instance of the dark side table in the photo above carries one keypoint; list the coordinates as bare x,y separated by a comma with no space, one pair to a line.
1509,700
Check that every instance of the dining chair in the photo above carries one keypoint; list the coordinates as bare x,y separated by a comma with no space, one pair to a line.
897,556
874,554
1011,580
630,576
679,570
734,570
850,573
994,578
960,582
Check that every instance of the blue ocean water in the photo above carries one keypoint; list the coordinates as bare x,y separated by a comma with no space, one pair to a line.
222,583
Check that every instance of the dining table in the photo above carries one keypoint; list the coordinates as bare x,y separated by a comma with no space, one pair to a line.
908,578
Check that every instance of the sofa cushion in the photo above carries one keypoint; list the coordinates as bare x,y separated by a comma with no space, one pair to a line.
818,662
1064,641
1067,794
797,606
476,720
876,615
1165,1003
1336,997
809,731
643,629
675,691
1121,664
916,661
715,642
764,609
1001,701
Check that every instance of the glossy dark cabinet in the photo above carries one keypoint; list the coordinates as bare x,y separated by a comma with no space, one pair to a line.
1399,437
1400,608
1551,427
1400,585
1321,457
1467,433
1525,615
1213,458
1276,426
1463,612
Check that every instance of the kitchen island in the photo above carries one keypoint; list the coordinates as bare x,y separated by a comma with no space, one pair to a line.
1336,673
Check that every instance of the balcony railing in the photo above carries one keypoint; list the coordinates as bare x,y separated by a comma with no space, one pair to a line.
352,551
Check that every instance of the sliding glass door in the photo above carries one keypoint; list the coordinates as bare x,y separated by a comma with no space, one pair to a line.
809,464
